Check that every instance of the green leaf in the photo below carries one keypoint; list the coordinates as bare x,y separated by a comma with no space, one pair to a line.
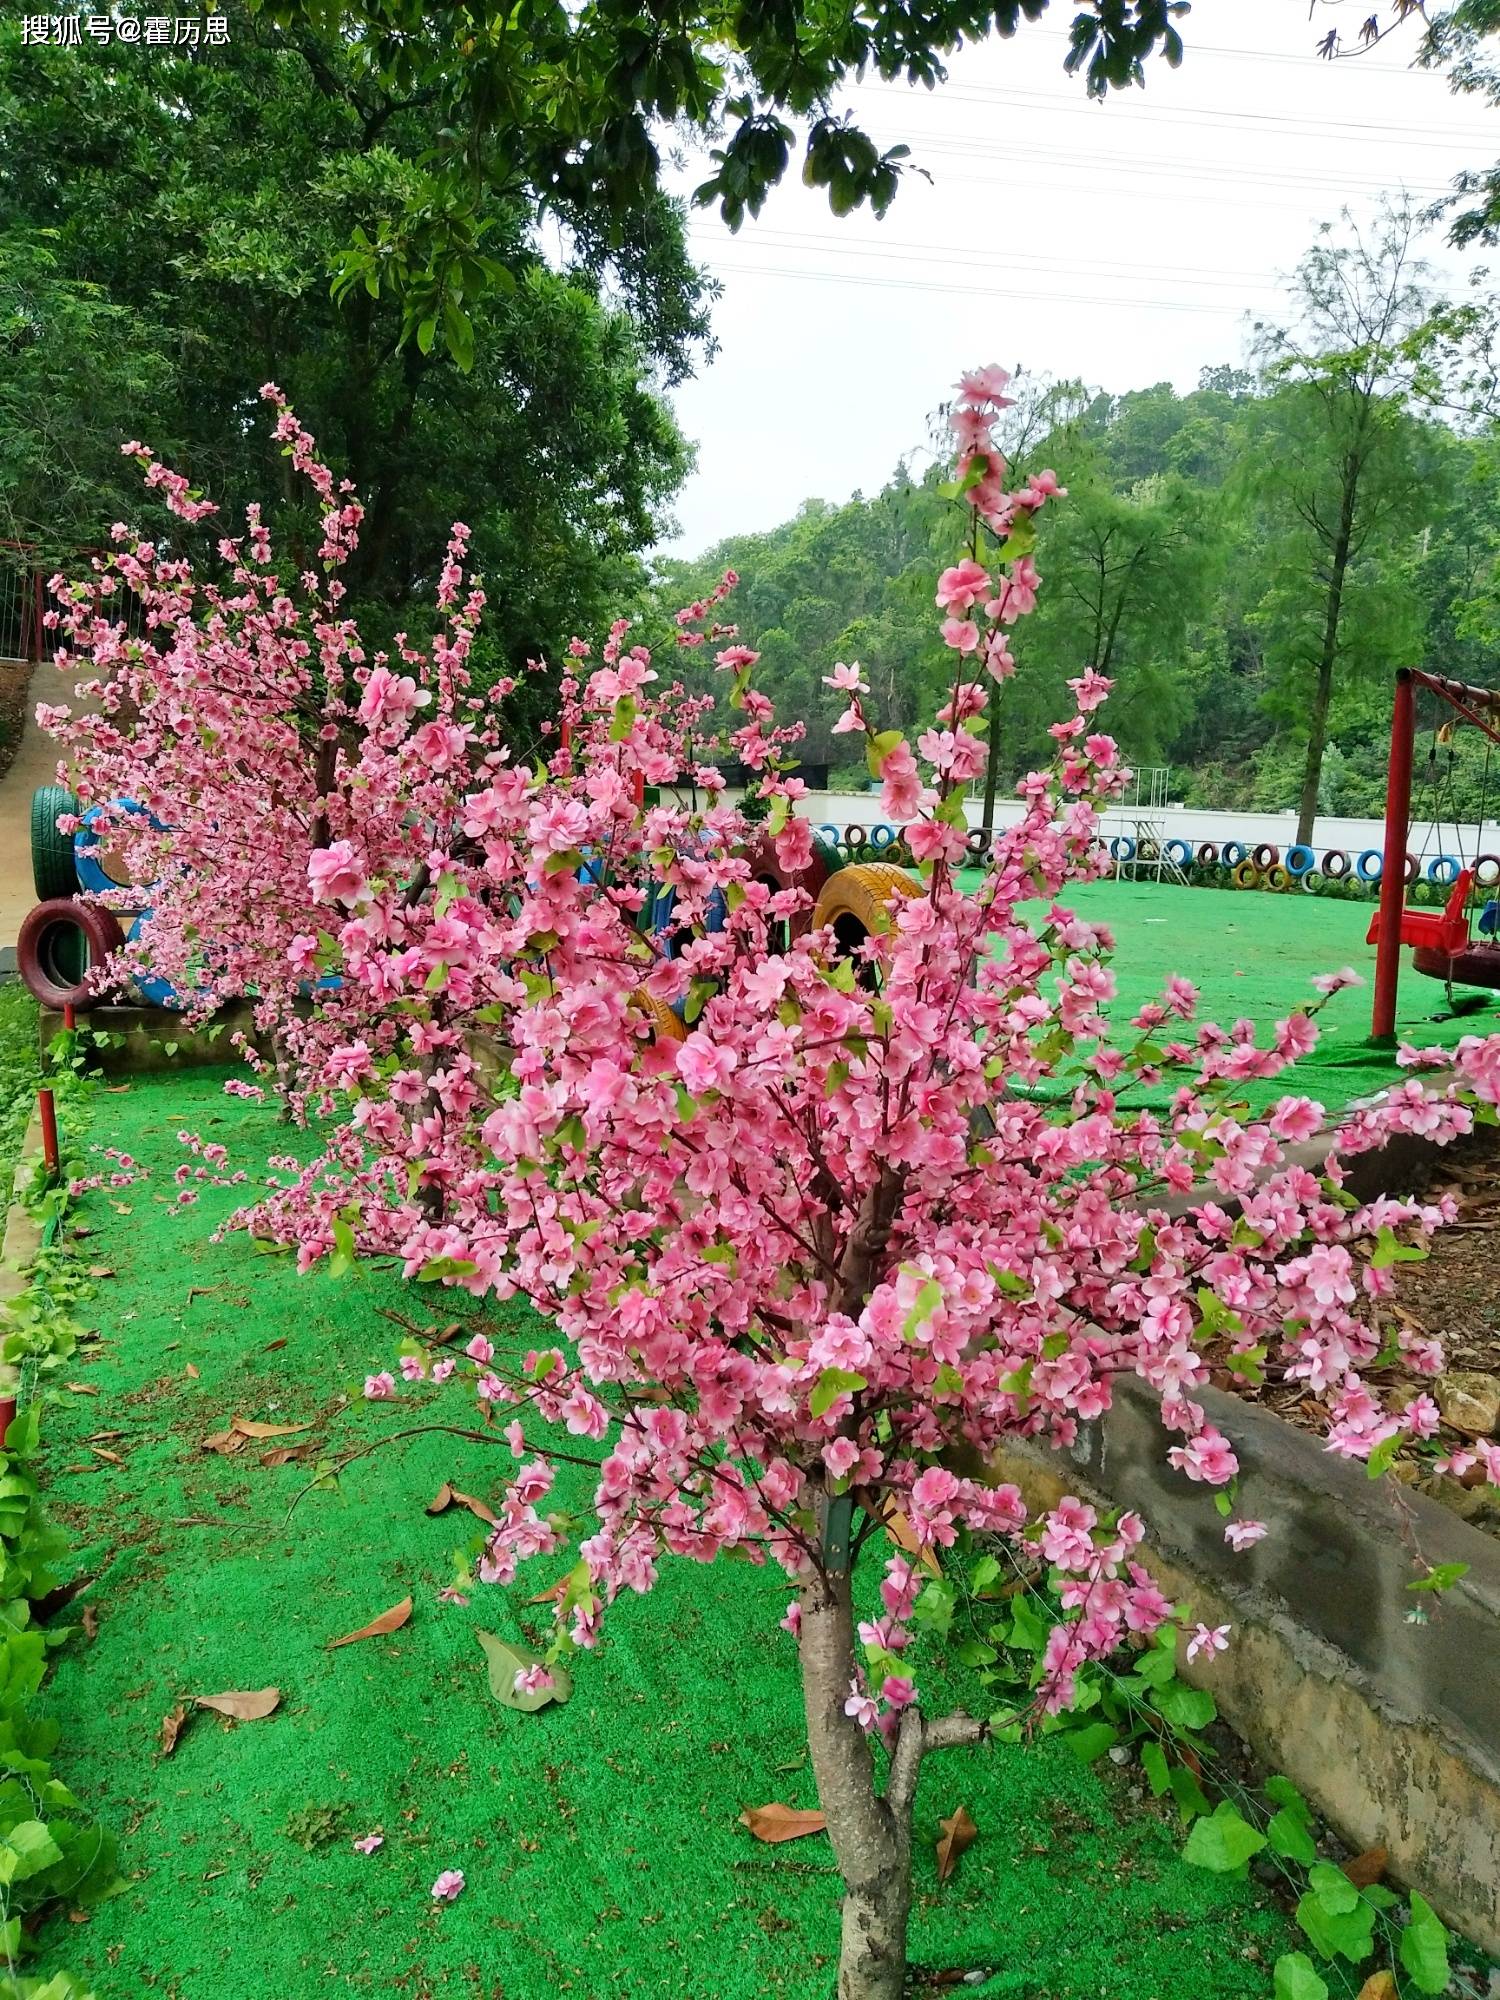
341,1263
27,1850
1336,1918
879,748
1185,1707
1383,1456
1092,1740
1442,1576
1225,1842
1424,1948
1187,1792
1297,1978
506,1660
1282,1792
1289,1837
1154,1764
829,1386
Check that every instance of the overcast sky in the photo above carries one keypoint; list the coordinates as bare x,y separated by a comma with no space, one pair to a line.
1125,243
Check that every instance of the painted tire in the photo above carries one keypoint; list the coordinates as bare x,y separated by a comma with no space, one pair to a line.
1489,919
978,841
89,849
1267,855
1278,879
1413,868
1451,866
883,835
1180,852
1122,848
663,1023
53,869
1245,875
155,992
828,832
1368,866
1233,852
1299,860
1336,864
1312,881
1490,862
61,941
765,867
855,837
1208,855
857,901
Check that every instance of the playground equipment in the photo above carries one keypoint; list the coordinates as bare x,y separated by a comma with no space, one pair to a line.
1146,849
1443,946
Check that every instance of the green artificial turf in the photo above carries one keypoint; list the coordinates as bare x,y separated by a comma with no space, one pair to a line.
1252,953
600,1840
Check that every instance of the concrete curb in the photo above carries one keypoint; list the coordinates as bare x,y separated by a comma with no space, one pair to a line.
1391,1729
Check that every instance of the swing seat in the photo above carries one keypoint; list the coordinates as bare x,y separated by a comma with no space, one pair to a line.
1445,931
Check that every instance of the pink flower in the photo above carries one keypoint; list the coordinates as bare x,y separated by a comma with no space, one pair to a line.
861,1707
791,1619
1206,1640
368,1842
704,1065
532,1680
840,1455
449,1595
986,386
441,1370
1242,1535
898,1690
413,1368
449,1886
962,586
1335,982
379,1387
335,875
848,679
960,633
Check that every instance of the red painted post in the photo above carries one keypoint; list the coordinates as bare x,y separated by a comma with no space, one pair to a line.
70,1019
1393,866
638,787
47,1108
37,602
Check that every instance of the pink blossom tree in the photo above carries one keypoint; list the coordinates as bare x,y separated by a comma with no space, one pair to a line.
811,1240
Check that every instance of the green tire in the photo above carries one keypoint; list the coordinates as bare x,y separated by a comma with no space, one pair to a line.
52,868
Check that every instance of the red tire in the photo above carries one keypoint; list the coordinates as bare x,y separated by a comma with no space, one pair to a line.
94,934
1266,856
765,867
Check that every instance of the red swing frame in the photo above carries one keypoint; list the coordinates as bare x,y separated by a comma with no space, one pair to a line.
1445,933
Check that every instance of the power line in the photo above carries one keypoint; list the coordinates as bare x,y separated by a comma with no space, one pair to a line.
842,278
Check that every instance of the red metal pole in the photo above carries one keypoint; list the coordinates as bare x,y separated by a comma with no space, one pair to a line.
47,1108
70,1019
1393,866
638,787
36,611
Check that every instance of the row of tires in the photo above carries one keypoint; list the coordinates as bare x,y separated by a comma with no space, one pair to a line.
1299,861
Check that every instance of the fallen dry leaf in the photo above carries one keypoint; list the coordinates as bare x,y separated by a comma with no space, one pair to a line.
171,1728
249,1428
242,1707
272,1345
101,1270
191,1370
200,1292
1364,1870
83,1389
899,1528
388,1621
553,1594
775,1823
90,1622
959,1833
285,1454
449,1496
109,1457
441,1338
224,1442
104,1437
1379,1986
115,1089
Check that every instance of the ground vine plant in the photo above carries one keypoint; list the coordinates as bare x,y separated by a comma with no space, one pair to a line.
809,1240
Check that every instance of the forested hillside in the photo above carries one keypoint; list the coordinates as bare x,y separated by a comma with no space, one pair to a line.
1210,554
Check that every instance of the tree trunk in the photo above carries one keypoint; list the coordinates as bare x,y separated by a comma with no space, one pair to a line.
871,1842
992,766
1317,728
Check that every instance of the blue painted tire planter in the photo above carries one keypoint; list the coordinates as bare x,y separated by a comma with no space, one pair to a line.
1233,852
829,832
1122,848
1180,852
1299,861
883,835
1370,865
155,992
88,845
1449,863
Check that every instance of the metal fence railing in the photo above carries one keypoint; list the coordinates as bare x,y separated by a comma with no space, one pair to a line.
24,597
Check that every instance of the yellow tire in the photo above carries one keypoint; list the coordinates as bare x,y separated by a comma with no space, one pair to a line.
857,901
1246,875
663,1023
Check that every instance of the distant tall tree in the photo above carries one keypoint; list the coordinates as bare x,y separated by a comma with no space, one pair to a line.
1336,460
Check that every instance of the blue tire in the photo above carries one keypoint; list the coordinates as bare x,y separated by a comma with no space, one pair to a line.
882,835
1368,866
1179,851
87,844
1299,860
1122,848
1450,866
155,992
832,834
1232,853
